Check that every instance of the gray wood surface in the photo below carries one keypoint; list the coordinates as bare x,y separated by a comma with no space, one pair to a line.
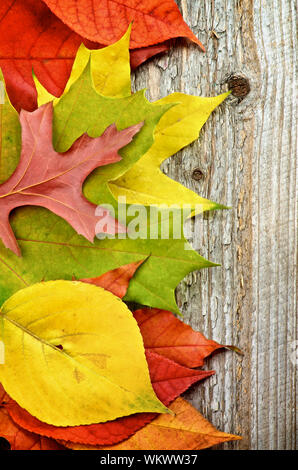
247,153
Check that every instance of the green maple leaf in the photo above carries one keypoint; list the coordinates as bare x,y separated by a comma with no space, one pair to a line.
51,250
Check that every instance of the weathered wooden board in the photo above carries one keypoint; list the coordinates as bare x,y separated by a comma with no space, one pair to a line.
247,153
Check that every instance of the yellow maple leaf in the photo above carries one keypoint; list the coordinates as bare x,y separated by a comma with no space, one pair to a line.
145,183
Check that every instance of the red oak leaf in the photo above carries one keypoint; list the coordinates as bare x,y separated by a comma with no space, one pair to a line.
106,21
54,181
165,334
169,380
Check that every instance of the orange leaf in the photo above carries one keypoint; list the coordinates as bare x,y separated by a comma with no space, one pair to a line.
117,280
186,430
106,21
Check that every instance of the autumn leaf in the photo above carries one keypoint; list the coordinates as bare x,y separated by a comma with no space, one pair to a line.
72,339
138,56
96,113
110,68
42,235
18,437
105,22
165,334
45,178
33,38
186,429
178,127
169,380
117,280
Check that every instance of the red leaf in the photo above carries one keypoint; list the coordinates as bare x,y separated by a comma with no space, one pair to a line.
32,37
106,21
168,377
20,439
164,334
54,181
169,381
138,56
117,280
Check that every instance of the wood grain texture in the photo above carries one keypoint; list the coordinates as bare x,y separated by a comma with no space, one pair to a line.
247,153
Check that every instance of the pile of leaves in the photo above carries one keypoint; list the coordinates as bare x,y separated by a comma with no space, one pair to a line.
80,369
115,377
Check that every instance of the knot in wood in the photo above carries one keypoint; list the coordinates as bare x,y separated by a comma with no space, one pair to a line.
239,86
197,174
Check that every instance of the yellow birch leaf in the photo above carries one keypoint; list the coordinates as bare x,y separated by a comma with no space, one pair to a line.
74,355
186,429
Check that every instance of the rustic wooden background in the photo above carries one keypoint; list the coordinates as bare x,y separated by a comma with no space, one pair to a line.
247,154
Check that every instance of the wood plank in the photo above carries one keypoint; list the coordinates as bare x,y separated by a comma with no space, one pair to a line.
247,153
